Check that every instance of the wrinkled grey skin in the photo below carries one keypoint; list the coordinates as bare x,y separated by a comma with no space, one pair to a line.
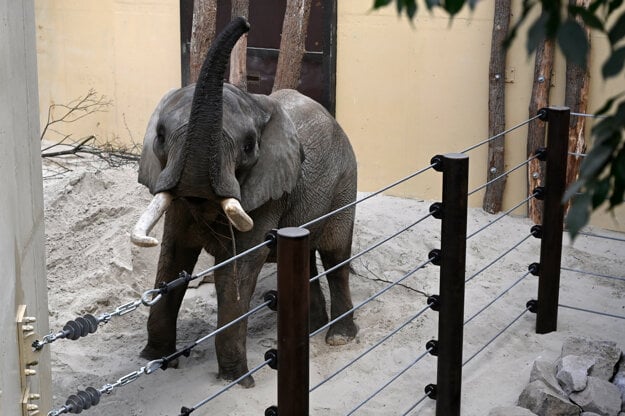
287,161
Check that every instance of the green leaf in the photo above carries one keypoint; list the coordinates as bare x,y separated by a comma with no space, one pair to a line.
618,172
617,32
430,4
454,6
614,65
579,213
587,16
536,33
573,42
595,161
573,189
381,3
599,191
614,4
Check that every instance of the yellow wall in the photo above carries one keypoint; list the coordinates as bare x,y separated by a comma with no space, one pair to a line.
127,50
404,92
407,92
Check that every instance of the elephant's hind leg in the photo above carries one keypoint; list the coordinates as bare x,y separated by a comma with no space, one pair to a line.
318,313
344,330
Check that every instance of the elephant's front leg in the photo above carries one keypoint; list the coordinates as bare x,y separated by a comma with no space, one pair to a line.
177,254
235,285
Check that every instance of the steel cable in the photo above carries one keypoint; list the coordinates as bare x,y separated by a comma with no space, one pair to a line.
607,237
496,336
591,311
425,396
498,258
370,248
371,348
594,274
588,115
509,171
391,380
490,139
497,298
364,302
351,204
505,213
187,411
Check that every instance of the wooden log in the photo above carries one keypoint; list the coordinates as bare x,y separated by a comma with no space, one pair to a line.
202,34
493,197
576,98
292,44
238,57
543,69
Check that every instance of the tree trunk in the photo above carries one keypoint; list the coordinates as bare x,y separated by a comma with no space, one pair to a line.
292,44
543,68
238,57
493,196
576,98
202,34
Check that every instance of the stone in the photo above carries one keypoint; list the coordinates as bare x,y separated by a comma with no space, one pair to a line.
510,411
572,372
605,353
599,396
546,401
589,414
619,380
545,371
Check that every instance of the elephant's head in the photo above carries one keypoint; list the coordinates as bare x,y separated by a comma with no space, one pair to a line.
237,150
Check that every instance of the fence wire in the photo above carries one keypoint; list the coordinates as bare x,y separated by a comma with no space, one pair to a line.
497,259
411,408
605,276
503,133
371,348
505,174
607,237
391,380
576,308
504,214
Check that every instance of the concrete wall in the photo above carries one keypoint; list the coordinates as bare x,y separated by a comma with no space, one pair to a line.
404,92
22,248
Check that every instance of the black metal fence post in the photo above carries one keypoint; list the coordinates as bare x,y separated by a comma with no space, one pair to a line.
455,168
293,344
553,219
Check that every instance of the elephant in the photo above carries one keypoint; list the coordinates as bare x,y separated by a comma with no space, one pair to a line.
225,167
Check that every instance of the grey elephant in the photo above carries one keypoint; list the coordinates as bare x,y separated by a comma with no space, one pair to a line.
216,157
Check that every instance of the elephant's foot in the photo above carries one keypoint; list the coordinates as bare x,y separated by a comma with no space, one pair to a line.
341,332
153,353
246,382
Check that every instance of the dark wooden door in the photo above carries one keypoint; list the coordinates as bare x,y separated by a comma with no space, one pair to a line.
318,78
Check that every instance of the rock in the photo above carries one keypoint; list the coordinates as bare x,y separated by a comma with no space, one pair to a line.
572,372
605,353
546,401
589,414
545,371
510,411
599,396
619,380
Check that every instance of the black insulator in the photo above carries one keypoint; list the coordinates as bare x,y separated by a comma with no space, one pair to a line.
432,347
543,114
537,231
436,209
272,238
92,322
532,305
539,193
541,153
435,256
272,356
185,411
74,403
430,391
271,296
95,395
84,326
73,330
534,269
183,278
434,302
86,399
271,411
437,162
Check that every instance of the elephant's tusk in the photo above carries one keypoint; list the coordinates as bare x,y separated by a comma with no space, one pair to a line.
148,220
237,216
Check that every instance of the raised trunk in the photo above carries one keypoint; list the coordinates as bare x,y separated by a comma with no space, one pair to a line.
201,159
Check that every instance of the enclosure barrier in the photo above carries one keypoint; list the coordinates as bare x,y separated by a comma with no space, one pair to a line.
291,356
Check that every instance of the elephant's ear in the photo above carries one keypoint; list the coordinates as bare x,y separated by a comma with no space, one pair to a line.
149,165
279,162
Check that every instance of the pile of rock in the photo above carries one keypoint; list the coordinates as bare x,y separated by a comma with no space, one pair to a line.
587,380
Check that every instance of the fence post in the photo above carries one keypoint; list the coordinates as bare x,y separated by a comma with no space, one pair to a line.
455,168
293,331
553,219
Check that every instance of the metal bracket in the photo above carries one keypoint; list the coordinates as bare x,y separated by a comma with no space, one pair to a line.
29,357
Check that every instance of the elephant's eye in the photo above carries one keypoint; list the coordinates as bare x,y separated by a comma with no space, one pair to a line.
249,146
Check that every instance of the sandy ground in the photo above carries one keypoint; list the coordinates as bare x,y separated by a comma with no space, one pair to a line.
93,268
